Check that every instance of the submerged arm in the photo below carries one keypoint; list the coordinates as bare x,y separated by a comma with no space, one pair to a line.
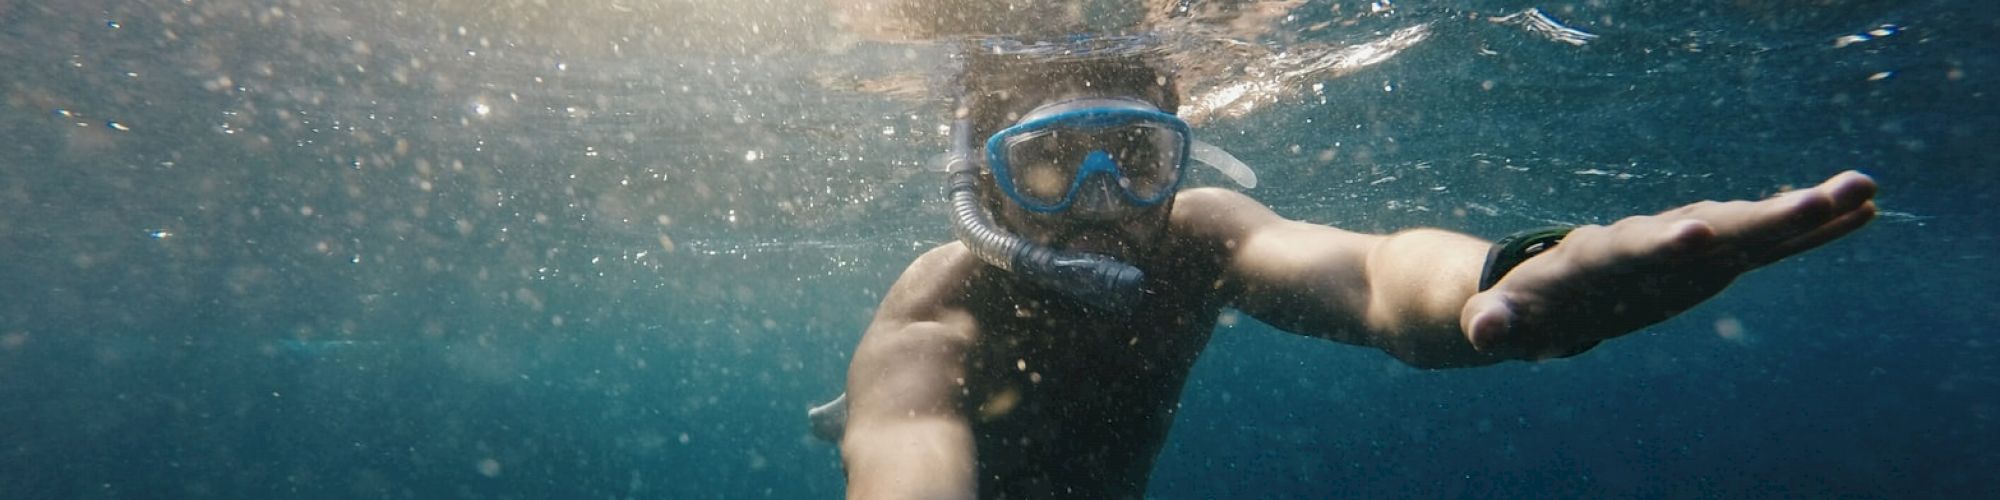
907,436
1414,293
1401,293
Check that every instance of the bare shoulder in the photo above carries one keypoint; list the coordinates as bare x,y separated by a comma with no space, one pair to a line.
1219,214
932,288
921,327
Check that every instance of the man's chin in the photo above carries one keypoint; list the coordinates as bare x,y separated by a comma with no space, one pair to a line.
1124,239
1097,244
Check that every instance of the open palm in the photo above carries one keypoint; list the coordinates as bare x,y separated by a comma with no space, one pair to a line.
1606,281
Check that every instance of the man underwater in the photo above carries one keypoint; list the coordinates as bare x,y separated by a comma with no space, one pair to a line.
1042,355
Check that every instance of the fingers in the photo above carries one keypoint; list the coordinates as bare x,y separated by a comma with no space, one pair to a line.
1849,190
1813,217
1789,222
1489,324
1840,226
1794,213
1808,210
1486,320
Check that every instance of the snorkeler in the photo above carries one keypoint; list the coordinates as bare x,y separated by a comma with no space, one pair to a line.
1042,355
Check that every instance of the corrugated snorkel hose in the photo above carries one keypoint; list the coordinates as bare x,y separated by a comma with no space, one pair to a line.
1097,280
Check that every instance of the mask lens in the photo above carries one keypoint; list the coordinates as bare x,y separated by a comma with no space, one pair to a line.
1044,165
1148,160
1044,160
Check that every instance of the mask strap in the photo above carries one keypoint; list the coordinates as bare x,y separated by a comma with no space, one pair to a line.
1208,154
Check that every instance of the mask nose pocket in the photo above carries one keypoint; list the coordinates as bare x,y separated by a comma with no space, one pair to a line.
1100,161
1099,188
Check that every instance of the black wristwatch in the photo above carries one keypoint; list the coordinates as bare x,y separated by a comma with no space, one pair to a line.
1516,248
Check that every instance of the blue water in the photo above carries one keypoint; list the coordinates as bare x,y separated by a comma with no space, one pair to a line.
361,249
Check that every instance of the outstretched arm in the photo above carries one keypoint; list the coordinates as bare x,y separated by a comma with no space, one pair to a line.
1401,293
1413,294
907,436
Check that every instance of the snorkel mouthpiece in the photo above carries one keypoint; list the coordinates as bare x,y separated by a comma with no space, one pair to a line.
1096,280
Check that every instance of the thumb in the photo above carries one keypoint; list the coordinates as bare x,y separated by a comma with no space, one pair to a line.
1487,319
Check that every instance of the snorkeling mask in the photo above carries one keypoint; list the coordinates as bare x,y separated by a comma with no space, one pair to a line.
1043,162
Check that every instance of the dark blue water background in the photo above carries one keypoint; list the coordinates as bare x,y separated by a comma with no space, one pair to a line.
362,249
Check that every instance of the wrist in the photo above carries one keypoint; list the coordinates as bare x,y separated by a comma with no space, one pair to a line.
1510,251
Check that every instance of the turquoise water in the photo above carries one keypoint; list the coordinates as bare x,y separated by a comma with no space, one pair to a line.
361,249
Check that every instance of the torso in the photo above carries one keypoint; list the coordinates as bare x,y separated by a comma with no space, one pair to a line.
1070,403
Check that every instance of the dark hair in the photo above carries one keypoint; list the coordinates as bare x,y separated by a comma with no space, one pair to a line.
995,90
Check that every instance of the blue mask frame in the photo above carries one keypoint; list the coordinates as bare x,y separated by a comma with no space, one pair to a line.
1099,161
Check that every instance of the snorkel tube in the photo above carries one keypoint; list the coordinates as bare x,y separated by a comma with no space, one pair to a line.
1097,280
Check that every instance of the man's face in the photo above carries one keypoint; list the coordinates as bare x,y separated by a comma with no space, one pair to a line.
1126,233
1088,173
